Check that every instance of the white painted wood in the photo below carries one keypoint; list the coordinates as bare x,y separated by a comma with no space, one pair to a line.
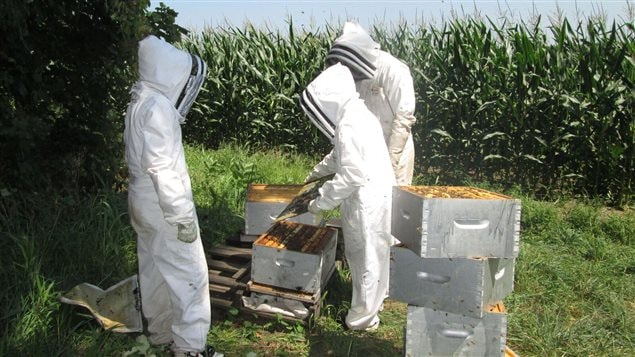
456,227
457,285
294,270
431,332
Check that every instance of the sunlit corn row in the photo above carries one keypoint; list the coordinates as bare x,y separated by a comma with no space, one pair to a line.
510,104
254,78
516,105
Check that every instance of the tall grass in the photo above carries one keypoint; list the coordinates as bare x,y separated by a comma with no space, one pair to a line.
220,179
573,295
50,242
574,281
507,103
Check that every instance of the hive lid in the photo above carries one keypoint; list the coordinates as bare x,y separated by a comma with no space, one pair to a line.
454,192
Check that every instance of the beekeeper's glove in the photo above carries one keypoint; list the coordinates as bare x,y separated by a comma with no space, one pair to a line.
313,207
187,232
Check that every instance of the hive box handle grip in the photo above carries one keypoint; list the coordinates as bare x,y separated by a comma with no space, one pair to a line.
433,278
405,214
285,263
455,333
471,224
499,274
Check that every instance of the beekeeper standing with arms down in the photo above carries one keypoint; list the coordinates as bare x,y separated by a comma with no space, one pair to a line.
385,84
362,185
173,272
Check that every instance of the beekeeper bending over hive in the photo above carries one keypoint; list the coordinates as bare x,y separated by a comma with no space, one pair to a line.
362,185
173,272
385,85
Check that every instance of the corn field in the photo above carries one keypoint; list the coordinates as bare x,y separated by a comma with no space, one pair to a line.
515,105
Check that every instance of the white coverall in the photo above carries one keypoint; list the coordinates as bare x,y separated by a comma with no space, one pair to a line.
386,86
173,272
362,185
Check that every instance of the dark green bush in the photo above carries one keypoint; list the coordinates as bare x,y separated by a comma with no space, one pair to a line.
65,71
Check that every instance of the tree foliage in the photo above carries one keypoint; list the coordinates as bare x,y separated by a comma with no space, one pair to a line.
65,70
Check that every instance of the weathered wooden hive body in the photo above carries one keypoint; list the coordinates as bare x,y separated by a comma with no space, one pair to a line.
465,286
456,262
447,221
265,202
294,256
431,332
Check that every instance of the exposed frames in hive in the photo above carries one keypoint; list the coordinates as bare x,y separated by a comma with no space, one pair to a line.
454,192
295,236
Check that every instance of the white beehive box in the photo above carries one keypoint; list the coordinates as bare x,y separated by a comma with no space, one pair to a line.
432,332
265,202
458,285
447,221
294,256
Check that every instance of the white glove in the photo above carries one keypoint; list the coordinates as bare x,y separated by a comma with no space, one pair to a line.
313,207
187,232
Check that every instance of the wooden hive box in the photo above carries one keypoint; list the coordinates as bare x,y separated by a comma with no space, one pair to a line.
294,256
431,332
463,286
449,221
265,202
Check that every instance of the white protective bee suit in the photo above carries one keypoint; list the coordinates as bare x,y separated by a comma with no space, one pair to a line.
173,272
362,185
386,86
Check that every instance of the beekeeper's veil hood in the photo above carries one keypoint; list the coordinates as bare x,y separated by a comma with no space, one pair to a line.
173,72
325,97
355,49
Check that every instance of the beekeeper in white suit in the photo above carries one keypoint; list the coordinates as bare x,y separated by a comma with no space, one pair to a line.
385,85
173,272
362,185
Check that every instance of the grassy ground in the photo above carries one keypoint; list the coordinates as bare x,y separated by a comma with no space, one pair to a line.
574,289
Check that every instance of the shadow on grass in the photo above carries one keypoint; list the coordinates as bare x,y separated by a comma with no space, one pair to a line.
217,221
331,338
352,343
53,241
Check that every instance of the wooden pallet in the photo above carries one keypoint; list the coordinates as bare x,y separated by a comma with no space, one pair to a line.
311,301
229,272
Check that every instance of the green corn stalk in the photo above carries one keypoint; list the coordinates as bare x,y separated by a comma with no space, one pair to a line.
504,102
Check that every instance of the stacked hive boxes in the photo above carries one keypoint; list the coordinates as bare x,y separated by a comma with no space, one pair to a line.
291,260
290,266
455,267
